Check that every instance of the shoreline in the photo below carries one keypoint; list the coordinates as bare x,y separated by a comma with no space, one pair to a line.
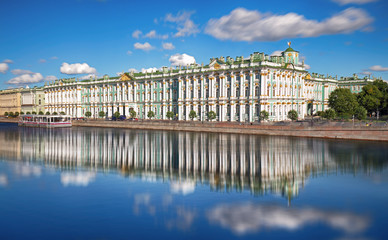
296,129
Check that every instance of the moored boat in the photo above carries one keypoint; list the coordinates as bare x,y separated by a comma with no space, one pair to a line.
45,121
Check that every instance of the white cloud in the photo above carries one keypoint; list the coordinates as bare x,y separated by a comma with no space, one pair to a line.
145,46
168,46
136,34
306,66
42,60
247,218
183,188
50,78
133,69
26,78
245,25
366,73
76,68
3,67
8,61
185,25
3,180
20,71
344,2
378,68
181,59
87,77
276,53
54,57
153,34
149,70
129,52
81,179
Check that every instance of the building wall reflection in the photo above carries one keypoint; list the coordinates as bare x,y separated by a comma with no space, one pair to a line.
226,162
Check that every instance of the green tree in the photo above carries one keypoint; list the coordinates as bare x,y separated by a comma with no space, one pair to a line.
293,115
170,115
150,114
41,113
132,113
87,114
343,102
10,114
211,115
34,113
263,115
116,115
62,113
383,88
192,115
329,114
101,114
6,114
16,114
28,112
360,113
370,97
21,113
54,113
321,113
47,113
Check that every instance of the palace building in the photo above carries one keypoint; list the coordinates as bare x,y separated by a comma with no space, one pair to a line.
236,90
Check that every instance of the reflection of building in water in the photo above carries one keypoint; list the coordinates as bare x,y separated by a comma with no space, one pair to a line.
225,161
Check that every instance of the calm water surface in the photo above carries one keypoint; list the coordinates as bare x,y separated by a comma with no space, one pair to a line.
84,183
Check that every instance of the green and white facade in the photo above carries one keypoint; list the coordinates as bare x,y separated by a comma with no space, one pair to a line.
235,89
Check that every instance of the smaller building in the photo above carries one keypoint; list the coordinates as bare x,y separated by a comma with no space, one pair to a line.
32,100
10,101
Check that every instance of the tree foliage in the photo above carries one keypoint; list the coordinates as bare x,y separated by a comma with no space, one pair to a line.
360,113
54,113
62,113
293,115
263,115
41,113
47,113
132,113
87,114
101,114
116,115
211,115
6,114
370,98
192,115
383,88
169,115
34,113
150,114
329,114
343,102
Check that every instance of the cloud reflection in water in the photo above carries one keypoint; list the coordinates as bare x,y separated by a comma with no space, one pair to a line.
3,180
79,179
249,217
184,188
27,170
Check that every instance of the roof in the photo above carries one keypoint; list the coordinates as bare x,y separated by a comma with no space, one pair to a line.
290,50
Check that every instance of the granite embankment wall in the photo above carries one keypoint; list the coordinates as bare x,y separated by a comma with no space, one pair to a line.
343,131
333,130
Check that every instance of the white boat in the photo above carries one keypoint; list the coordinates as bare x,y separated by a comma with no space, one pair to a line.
45,121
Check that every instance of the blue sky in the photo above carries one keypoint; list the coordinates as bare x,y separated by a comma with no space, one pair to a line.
44,40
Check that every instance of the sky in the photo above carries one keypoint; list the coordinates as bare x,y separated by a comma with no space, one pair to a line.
44,40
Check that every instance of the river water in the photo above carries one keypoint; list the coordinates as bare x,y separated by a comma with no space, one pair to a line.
101,183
